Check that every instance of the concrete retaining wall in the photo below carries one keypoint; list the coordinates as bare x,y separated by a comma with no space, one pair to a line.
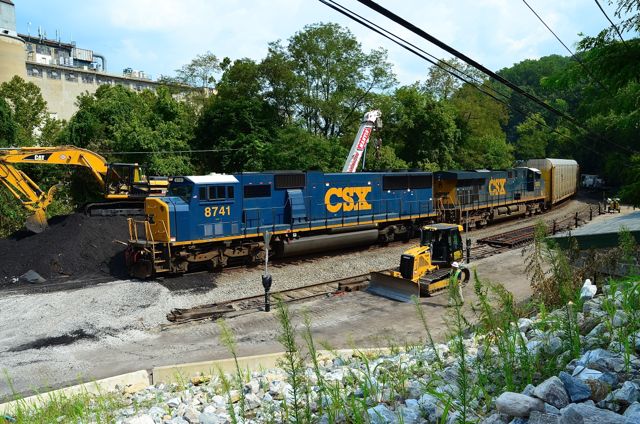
138,380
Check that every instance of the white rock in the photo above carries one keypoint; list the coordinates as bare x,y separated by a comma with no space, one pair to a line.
251,401
380,414
210,409
252,386
552,391
140,419
588,290
584,373
517,405
524,324
582,413
174,402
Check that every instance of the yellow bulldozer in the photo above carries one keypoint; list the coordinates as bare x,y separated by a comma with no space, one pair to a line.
424,270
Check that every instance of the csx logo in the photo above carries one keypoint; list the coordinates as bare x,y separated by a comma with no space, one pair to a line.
338,198
496,186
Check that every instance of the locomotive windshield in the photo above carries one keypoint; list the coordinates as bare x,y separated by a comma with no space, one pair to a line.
183,191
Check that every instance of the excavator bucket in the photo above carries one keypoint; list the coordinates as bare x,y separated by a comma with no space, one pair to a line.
395,288
37,222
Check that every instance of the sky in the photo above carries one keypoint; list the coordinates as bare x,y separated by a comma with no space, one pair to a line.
159,36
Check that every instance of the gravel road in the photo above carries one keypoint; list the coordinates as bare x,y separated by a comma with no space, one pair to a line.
59,338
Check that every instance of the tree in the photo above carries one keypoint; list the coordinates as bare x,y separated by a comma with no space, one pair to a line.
442,84
28,107
116,119
424,129
8,126
480,120
331,77
295,148
533,139
238,121
200,72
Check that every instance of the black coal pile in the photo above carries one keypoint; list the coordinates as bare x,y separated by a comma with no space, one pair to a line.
73,246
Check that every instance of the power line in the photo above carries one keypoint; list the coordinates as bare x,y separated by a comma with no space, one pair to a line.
423,34
611,22
403,42
163,152
418,52
576,58
408,25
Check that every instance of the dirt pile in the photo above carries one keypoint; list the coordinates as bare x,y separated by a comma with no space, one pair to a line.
74,245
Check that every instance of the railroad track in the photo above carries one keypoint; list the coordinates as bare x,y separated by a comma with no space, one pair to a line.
486,247
250,304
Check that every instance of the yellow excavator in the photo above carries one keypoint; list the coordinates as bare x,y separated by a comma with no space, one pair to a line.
124,184
424,270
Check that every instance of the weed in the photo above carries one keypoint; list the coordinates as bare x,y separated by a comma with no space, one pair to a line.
228,339
423,319
293,365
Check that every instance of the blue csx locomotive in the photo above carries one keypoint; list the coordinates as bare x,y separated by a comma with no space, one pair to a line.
217,219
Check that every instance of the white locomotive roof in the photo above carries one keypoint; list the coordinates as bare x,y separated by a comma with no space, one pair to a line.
212,179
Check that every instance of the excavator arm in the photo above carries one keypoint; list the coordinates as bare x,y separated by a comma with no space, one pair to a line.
59,155
29,194
119,182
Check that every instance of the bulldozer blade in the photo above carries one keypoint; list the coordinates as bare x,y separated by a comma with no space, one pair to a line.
391,287
37,222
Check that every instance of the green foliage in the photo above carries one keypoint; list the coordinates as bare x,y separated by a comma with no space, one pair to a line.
28,107
292,363
323,78
116,119
12,214
424,128
533,139
442,85
8,126
238,122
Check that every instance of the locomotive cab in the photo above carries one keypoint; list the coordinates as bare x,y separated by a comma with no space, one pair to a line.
195,208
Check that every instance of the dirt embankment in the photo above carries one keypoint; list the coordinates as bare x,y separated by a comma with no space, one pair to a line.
73,246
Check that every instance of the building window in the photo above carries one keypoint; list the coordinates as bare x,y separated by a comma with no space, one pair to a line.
34,72
54,75
71,77
87,79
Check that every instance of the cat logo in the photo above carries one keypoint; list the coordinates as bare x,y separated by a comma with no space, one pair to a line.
338,198
496,186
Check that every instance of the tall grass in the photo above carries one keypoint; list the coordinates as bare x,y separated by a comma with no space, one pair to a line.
423,320
228,339
58,407
292,363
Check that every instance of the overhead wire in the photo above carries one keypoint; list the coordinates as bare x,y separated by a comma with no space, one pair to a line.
573,55
423,34
612,24
417,51
163,152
